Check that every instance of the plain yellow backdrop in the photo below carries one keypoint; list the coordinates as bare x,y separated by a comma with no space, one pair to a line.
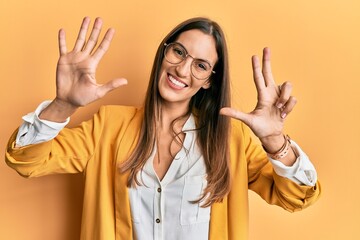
315,44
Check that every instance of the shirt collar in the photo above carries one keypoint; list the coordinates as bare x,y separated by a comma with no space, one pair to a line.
189,124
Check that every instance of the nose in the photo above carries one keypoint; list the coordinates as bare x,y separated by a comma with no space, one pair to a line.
183,69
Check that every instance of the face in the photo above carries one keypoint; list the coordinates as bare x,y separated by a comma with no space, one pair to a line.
176,83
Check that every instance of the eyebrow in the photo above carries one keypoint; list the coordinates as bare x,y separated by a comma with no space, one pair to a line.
193,57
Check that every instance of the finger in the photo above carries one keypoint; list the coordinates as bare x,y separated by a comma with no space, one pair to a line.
109,86
94,36
285,93
288,107
257,74
62,42
266,67
104,45
233,113
80,41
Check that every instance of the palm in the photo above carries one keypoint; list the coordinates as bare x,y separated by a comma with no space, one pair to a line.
264,119
267,119
76,81
75,76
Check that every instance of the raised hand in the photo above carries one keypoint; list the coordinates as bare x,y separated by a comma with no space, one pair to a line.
75,77
76,84
273,105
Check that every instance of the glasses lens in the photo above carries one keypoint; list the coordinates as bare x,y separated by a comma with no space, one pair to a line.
174,53
200,69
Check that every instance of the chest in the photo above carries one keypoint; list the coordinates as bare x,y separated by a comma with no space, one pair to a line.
159,205
167,147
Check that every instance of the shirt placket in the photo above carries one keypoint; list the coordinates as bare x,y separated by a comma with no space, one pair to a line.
158,211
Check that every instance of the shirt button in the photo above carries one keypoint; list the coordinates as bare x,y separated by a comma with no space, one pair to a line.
157,220
159,189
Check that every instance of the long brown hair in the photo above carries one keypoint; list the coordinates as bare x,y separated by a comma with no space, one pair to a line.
212,128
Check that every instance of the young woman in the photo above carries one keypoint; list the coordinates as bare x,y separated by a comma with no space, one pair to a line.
181,166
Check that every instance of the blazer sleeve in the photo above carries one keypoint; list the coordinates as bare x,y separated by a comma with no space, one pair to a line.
69,152
274,189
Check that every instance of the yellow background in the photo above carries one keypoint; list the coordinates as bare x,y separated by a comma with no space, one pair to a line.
315,44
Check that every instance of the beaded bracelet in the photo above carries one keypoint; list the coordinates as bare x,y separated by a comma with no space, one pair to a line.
284,150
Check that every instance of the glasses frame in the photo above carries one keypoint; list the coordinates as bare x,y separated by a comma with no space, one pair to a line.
186,56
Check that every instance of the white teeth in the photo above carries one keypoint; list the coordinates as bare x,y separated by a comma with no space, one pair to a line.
176,82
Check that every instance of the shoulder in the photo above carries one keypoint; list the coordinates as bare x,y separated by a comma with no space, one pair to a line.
119,113
240,133
238,128
115,121
113,118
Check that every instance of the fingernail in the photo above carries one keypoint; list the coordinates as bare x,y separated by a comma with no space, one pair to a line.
283,115
279,105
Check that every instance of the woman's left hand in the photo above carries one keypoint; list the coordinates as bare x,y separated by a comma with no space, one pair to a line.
273,105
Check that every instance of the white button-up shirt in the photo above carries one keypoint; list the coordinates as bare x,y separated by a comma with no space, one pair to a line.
163,209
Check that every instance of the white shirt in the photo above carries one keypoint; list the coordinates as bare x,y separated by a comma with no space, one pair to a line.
161,209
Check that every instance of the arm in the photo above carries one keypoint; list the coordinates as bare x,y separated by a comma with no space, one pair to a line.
34,130
267,122
76,86
75,150
69,152
274,104
301,172
272,187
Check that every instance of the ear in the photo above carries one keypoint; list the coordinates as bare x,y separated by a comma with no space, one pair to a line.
207,84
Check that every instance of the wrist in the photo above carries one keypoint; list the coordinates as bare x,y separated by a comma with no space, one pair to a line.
57,111
286,154
273,143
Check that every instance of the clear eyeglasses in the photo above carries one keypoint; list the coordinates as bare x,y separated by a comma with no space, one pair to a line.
175,53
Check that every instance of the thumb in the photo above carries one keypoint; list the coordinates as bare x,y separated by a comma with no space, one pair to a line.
233,113
111,85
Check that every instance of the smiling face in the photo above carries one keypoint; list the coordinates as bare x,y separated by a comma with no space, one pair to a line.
176,83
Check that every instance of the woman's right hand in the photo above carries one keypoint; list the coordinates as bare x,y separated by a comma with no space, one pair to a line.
76,84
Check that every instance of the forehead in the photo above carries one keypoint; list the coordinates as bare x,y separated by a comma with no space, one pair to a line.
199,45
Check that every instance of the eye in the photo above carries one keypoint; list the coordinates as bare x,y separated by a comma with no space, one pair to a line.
179,51
202,66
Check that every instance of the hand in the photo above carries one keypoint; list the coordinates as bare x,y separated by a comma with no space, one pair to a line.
76,84
273,105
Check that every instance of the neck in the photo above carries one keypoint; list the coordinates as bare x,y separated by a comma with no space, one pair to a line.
170,112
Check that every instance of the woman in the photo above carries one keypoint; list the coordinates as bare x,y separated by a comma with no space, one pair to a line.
178,168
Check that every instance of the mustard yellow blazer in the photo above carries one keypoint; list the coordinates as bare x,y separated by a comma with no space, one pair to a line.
97,146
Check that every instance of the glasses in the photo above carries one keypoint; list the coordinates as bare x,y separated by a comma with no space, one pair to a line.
175,53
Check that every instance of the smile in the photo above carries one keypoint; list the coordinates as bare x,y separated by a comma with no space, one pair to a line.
176,83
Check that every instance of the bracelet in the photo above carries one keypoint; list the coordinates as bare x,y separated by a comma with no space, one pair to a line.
284,150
